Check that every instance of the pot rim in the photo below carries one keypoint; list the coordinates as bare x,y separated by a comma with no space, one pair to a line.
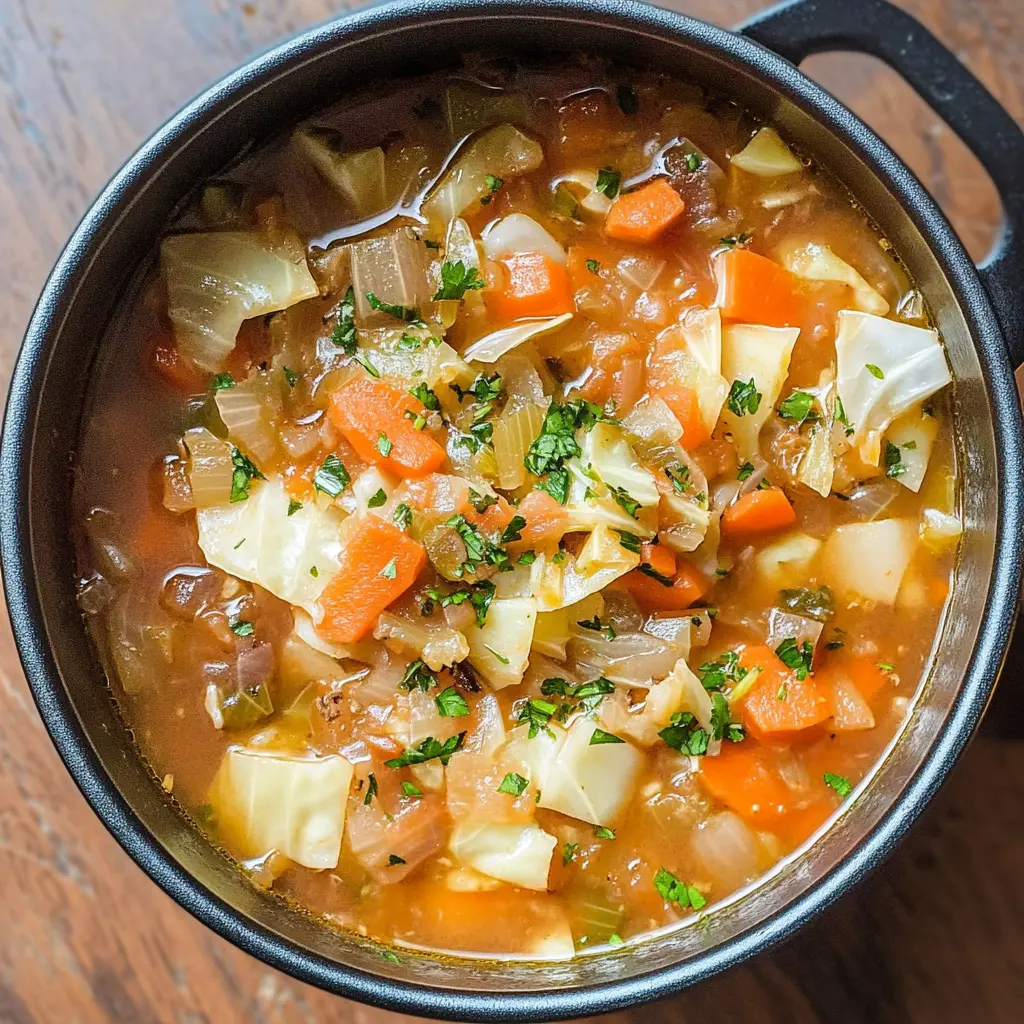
96,229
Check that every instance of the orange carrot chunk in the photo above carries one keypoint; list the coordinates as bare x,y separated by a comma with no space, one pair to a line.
546,521
685,406
372,416
755,290
779,703
759,511
658,557
378,564
688,585
642,215
532,285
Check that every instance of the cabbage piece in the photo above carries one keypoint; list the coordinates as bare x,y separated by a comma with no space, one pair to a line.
273,802
652,426
818,464
358,177
435,362
306,632
553,629
468,107
519,233
939,530
608,454
438,646
500,650
491,347
392,268
591,781
535,755
502,152
868,560
256,540
767,156
819,263
586,193
884,368
761,354
787,560
514,432
727,850
558,586
217,280
913,436
368,486
517,854
695,347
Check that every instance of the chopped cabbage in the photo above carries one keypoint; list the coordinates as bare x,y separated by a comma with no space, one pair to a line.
517,854
819,263
519,233
818,464
551,633
868,560
913,435
256,540
939,530
306,632
368,485
535,755
358,177
786,561
491,347
295,805
592,201
500,649
607,453
217,280
884,368
767,156
696,347
591,781
761,354
502,152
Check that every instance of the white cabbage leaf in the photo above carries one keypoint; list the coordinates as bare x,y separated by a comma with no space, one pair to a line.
815,262
907,365
295,805
608,454
913,434
217,280
868,560
519,233
358,176
491,347
256,540
761,354
517,854
500,649
697,340
818,463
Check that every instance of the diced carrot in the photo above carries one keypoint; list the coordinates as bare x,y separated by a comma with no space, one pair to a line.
378,564
685,405
181,373
865,673
658,557
779,704
372,416
531,285
642,215
689,585
743,778
760,511
546,521
754,290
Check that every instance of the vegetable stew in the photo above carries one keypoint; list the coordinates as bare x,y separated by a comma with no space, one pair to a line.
544,515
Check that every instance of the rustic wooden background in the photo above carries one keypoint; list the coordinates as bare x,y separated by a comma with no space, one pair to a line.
935,935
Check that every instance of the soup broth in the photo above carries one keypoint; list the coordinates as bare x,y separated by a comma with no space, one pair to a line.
518,506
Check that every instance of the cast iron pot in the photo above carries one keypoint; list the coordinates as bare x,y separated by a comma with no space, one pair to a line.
980,313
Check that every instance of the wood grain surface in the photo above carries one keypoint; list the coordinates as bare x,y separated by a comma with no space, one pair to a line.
937,934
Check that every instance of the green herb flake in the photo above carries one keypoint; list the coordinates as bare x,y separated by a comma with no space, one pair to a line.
243,473
243,628
556,483
569,851
628,504
740,241
332,477
743,398
377,499
601,832
403,313
813,603
649,570
537,713
513,784
796,657
294,506
746,471
894,467
673,890
841,416
410,789
594,266
599,737
222,382
426,397
384,444
797,407
513,531
596,626
456,280
451,704
314,571
371,790
886,667
500,657
629,541
608,182
390,571
417,675
429,750
402,516
394,859
291,376
389,957
679,477
344,333
693,162
875,371
839,783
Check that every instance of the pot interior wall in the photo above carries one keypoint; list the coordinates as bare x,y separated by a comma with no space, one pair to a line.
125,241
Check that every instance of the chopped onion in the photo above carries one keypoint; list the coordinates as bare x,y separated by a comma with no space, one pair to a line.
518,233
491,347
438,646
247,420
754,480
210,467
177,490
784,625
414,833
641,271
513,434
426,720
727,849
852,711
105,532
633,659
392,268
872,498
358,177
653,427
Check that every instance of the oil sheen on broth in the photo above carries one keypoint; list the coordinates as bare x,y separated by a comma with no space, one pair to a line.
542,516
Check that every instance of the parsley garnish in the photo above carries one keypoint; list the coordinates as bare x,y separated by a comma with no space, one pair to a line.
456,280
893,461
603,832
427,397
513,784
595,624
743,398
512,532
816,604
599,736
628,504
291,376
797,407
493,184
649,570
384,444
673,890
428,750
332,476
394,859
403,313
797,657
484,389
417,675
740,241
693,162
244,472
875,371
243,628
451,704
569,852
714,675
377,499
556,483
364,361
222,382
294,506
593,266
629,541
839,783
608,181
684,734
481,502
402,516
390,571
679,477
501,657
478,549
371,790
527,558
410,789
746,471
841,416
344,333
537,713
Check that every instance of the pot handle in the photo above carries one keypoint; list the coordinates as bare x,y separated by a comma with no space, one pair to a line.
799,28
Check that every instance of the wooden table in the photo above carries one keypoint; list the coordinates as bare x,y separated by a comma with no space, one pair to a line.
935,935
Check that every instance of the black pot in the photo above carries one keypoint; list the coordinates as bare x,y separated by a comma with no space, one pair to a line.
980,313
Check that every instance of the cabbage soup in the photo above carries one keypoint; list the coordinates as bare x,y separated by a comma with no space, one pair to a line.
517,507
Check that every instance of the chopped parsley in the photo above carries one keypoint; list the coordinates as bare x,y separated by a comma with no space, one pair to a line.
417,675
743,398
673,890
599,737
629,104
403,313
484,389
593,266
410,789
629,541
556,483
478,548
291,376
493,183
740,241
839,783
815,604
243,473
513,784
603,832
456,280
313,571
332,477
222,382
294,506
426,397
886,667
389,957
512,532
693,162
429,750
726,670
384,444
364,361
394,859
390,571
628,504
501,657
371,790
683,733
569,851
377,499
608,182
797,407
243,628
649,570
746,471
344,333
596,626
537,713
527,558
893,461
841,416
451,704
875,371
797,657
679,478
402,516
481,502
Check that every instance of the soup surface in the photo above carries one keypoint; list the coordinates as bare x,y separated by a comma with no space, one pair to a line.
519,534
